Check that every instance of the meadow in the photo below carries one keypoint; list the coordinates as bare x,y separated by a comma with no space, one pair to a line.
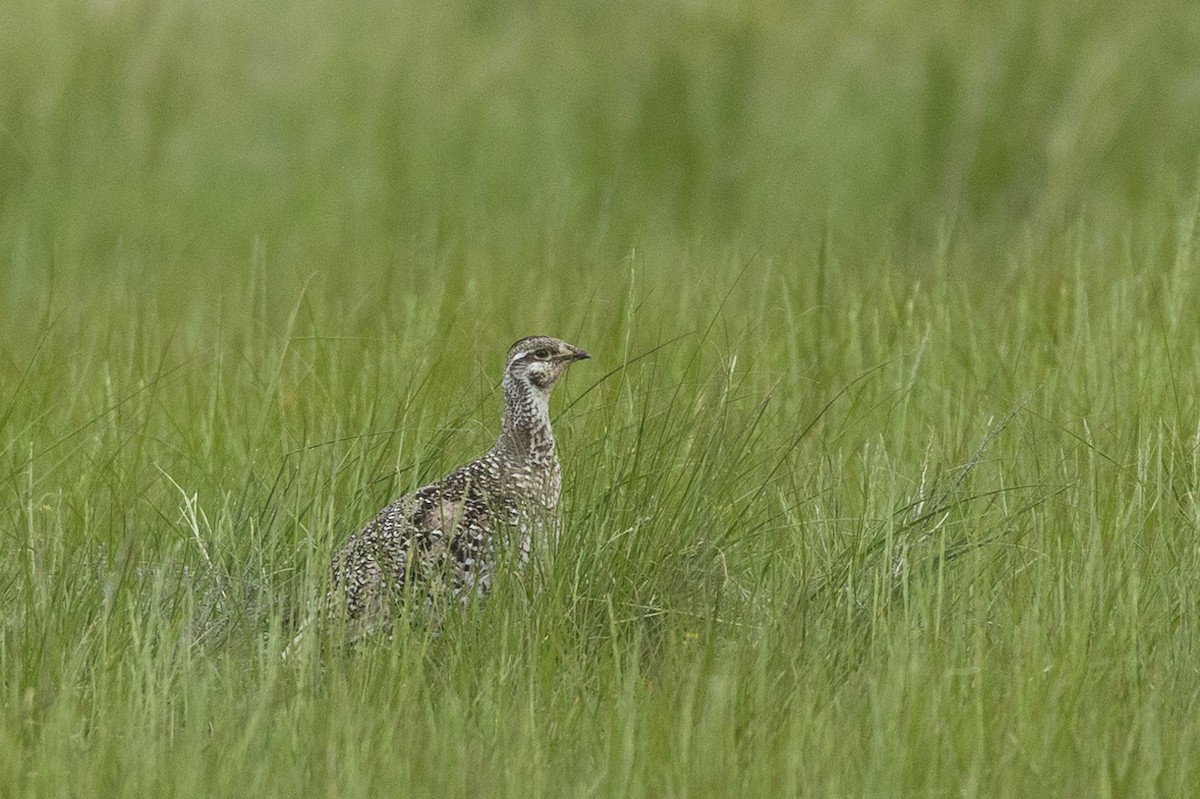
883,480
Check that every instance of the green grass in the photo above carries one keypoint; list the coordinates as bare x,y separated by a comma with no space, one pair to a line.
884,479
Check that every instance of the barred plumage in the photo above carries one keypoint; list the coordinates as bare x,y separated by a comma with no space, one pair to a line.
445,537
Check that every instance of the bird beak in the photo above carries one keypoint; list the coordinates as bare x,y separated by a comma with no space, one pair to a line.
580,355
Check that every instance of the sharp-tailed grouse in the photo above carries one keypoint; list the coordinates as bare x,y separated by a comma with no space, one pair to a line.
444,539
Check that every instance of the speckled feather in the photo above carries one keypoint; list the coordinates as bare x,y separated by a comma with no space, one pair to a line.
446,538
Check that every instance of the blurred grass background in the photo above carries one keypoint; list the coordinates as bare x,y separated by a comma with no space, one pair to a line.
882,481
189,127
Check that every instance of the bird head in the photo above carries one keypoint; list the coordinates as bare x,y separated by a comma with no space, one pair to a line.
540,361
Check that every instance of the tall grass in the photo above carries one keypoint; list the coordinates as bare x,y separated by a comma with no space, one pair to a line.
882,479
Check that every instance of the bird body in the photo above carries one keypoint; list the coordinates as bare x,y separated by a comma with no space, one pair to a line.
446,537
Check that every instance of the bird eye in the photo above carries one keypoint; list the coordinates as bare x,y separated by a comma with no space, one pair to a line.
541,354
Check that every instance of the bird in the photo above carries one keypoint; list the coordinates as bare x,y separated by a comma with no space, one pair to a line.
445,539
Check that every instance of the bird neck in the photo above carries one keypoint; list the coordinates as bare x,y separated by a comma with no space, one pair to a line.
525,430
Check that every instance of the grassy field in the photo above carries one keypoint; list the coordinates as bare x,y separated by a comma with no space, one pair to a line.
884,479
